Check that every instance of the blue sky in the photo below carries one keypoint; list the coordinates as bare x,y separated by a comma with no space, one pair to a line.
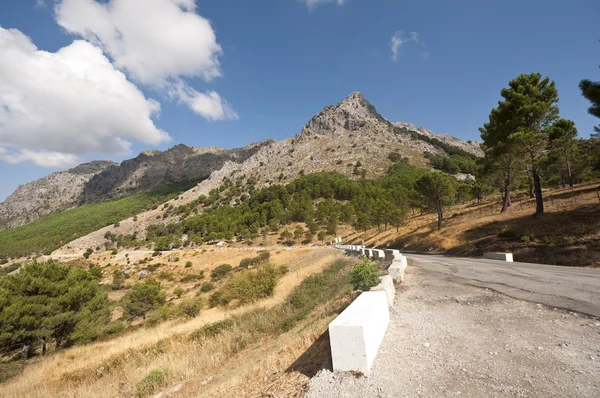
281,61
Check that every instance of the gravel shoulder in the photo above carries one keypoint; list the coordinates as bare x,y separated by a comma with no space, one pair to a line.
448,339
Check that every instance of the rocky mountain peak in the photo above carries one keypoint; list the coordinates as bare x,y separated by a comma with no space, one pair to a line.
352,114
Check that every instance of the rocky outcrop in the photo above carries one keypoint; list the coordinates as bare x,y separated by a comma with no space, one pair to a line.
103,180
55,192
472,147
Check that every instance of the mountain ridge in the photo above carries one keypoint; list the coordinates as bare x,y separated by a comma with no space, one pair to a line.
338,138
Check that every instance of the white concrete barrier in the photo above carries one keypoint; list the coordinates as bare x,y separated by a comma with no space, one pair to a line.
397,268
508,257
369,253
386,285
356,334
394,251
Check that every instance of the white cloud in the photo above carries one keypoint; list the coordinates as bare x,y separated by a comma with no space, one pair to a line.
312,4
399,39
55,107
42,158
209,105
157,42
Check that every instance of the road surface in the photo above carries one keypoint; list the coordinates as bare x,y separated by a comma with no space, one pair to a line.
454,333
572,288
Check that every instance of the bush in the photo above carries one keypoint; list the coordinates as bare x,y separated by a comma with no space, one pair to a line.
249,286
188,264
207,287
114,252
151,382
178,292
155,253
216,299
192,278
508,233
144,297
525,238
190,308
113,328
118,280
153,267
364,275
221,271
166,276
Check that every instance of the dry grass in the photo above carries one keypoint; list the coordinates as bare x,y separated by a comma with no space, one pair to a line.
568,234
112,368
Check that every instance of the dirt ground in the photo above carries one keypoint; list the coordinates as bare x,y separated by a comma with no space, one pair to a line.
452,340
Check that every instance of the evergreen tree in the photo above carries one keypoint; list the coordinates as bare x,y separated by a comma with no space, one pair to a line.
51,301
563,143
144,297
438,192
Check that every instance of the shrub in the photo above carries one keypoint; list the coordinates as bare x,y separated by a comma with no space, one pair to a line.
365,275
190,308
114,328
221,271
143,297
178,292
188,264
251,285
114,252
207,287
4,261
216,299
192,277
166,276
156,253
151,382
508,233
153,267
525,238
118,280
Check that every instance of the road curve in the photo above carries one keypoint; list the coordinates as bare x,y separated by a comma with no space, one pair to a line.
571,288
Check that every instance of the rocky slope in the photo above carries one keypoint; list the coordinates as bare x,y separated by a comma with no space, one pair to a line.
55,192
348,138
103,180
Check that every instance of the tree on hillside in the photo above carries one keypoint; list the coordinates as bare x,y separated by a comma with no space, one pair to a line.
591,91
563,134
51,301
521,122
438,192
144,297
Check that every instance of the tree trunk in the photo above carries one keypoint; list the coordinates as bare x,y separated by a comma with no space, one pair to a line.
43,342
440,218
25,352
506,199
539,200
569,173
531,195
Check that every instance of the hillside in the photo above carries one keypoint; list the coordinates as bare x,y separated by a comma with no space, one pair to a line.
350,138
103,180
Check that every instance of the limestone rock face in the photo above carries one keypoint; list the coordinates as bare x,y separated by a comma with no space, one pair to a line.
55,192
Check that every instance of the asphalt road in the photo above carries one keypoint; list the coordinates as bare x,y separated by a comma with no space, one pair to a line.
570,288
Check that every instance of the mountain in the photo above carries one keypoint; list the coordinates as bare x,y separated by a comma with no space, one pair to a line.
347,138
55,192
103,180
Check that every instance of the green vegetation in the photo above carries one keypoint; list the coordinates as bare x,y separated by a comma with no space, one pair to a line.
144,297
51,232
248,286
192,277
528,145
151,382
221,271
364,275
438,192
453,164
47,302
328,287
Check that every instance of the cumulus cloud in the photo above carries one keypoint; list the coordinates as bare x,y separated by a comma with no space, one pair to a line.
209,105
41,158
157,42
312,4
399,39
55,107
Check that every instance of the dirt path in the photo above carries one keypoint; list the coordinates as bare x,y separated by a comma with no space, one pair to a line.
448,339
